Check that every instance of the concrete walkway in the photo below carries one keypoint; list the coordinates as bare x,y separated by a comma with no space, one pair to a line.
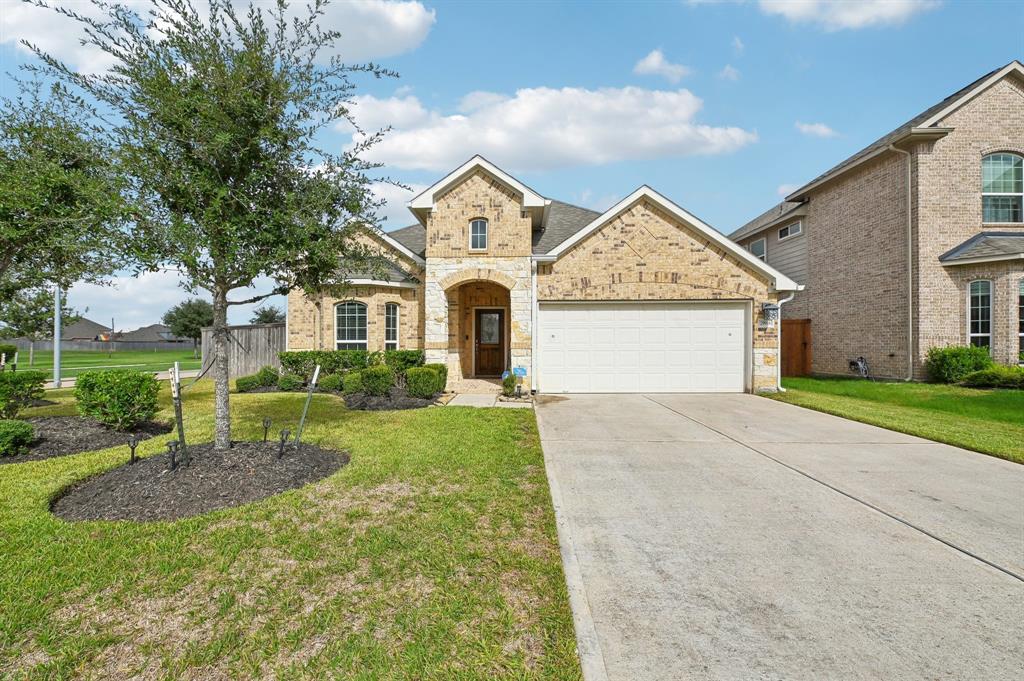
482,400
733,537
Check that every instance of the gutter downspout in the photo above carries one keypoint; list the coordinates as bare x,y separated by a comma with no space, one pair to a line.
778,337
533,326
910,266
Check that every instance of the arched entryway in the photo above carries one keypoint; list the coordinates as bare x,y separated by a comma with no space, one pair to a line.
479,327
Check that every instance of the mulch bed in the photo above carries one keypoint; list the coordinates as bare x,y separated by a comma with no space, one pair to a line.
149,490
397,398
64,435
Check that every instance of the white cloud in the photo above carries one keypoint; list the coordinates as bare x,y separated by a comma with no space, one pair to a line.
601,203
543,128
836,15
395,213
139,301
370,29
786,189
737,45
655,64
729,72
816,129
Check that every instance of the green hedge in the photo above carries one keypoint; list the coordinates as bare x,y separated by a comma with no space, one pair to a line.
423,382
442,372
352,382
998,376
10,350
290,382
331,383
119,398
15,437
266,377
377,380
401,361
342,361
952,364
18,389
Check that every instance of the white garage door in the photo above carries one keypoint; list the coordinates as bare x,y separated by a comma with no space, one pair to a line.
642,347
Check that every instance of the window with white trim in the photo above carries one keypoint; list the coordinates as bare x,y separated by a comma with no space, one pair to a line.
1020,321
391,326
791,230
350,325
478,235
979,309
1002,188
759,250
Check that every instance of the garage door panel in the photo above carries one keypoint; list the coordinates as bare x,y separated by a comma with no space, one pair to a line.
642,347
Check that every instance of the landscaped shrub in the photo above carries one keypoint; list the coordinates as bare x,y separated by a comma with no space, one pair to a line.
267,376
508,385
302,362
331,383
18,389
247,384
442,372
951,364
9,350
997,376
290,382
424,382
378,380
121,399
352,382
403,360
15,437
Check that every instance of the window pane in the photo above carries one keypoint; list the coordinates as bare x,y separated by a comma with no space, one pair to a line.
489,326
351,325
1002,173
478,234
981,312
757,248
980,341
1001,209
391,326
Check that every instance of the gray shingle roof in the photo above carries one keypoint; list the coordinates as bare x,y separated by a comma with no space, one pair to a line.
84,329
987,245
390,271
765,218
413,237
150,334
564,220
889,138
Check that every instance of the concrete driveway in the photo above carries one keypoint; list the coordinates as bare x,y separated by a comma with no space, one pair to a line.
734,537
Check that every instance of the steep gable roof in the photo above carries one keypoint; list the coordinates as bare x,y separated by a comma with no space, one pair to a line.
413,237
561,222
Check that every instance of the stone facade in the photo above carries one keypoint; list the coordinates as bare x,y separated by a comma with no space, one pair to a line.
647,254
856,284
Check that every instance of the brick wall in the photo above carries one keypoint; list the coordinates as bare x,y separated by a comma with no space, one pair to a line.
647,254
509,233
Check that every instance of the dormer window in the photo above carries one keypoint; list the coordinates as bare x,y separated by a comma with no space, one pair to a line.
478,235
1002,188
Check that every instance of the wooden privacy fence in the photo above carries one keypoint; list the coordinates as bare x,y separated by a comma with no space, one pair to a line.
101,346
249,347
796,347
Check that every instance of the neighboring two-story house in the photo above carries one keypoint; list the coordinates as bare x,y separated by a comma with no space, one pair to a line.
915,241
494,277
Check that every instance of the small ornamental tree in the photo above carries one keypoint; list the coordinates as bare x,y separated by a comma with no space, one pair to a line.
267,314
187,319
216,116
62,217
29,314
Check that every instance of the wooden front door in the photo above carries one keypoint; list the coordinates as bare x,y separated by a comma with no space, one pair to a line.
796,347
490,342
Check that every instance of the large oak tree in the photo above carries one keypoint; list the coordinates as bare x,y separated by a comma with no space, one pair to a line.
216,115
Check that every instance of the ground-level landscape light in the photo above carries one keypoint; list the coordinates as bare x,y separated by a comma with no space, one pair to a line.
133,442
266,427
284,439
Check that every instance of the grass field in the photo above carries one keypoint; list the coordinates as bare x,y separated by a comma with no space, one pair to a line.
432,555
74,361
987,421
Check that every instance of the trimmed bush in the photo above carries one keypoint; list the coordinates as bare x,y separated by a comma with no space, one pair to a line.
442,372
423,382
247,384
18,389
998,376
290,382
508,385
331,383
951,364
302,362
267,376
378,380
121,399
15,437
9,350
402,360
352,382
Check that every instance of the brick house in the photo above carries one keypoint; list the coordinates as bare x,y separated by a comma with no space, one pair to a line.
915,241
493,277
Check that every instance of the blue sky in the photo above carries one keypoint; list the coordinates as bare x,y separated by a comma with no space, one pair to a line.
717,105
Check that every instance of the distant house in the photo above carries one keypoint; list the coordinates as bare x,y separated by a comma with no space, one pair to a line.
85,330
154,333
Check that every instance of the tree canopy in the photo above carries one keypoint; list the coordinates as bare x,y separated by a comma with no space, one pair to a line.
267,314
187,319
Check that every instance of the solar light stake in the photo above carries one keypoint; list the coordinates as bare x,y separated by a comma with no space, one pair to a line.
266,427
172,449
305,407
284,439
133,442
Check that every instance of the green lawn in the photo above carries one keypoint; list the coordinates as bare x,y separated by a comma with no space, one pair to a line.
987,421
74,361
432,555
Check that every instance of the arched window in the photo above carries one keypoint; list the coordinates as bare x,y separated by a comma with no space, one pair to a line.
391,326
979,311
1002,188
350,326
478,235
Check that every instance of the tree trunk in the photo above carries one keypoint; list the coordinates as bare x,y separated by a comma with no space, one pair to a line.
221,408
31,352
